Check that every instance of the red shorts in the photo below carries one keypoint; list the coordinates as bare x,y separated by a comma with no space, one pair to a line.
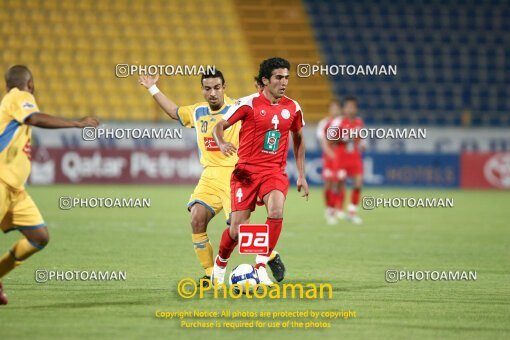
350,166
247,188
329,169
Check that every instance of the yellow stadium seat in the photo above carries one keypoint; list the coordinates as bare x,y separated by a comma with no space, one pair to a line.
73,48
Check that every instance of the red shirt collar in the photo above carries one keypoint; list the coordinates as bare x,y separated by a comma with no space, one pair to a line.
266,100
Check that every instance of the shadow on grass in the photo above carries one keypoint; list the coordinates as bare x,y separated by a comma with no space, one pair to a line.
91,304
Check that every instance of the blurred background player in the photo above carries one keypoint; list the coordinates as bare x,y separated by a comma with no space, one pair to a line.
267,119
349,154
18,112
212,193
333,196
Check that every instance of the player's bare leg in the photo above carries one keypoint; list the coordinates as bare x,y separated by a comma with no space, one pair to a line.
275,202
275,262
200,218
228,243
34,241
355,197
340,185
39,236
329,197
3,297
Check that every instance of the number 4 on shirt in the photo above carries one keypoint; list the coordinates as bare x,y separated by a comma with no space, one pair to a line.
239,194
275,121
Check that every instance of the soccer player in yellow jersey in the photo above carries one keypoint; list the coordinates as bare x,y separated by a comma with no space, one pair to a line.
18,112
212,194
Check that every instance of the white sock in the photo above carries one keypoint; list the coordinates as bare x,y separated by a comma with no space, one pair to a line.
352,209
261,259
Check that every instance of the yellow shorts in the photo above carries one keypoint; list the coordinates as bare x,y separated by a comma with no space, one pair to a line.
17,210
213,190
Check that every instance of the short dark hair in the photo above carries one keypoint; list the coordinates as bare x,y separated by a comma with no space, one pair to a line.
350,99
17,76
259,83
267,66
212,74
334,100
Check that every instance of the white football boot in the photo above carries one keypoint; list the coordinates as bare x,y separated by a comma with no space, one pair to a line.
340,214
263,276
218,274
352,215
330,216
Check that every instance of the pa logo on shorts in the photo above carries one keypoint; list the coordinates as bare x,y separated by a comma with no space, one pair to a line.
253,238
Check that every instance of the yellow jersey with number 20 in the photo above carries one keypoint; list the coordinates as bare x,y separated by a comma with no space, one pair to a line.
200,117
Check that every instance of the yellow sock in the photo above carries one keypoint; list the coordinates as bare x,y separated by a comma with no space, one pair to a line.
19,252
273,255
204,251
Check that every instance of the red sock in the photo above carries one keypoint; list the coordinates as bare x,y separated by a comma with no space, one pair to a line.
330,198
355,196
227,245
275,228
340,199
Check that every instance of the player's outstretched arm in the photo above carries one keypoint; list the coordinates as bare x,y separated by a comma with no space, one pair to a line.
299,154
47,121
228,149
149,82
326,147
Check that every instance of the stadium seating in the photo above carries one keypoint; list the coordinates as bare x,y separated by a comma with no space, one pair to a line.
451,56
72,48
282,28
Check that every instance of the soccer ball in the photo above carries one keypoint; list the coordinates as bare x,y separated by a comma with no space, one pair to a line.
243,274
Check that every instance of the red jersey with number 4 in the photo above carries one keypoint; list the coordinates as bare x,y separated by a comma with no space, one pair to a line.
265,127
350,146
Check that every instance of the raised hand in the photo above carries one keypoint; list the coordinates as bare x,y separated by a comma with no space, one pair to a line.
148,81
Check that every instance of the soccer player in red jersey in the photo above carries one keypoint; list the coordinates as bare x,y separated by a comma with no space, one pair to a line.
259,176
333,197
349,154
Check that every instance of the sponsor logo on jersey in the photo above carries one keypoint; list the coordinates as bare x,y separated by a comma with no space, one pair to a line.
210,144
27,105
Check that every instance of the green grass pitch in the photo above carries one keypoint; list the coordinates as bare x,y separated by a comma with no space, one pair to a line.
154,247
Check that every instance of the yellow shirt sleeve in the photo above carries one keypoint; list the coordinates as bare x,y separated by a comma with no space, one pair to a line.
185,115
22,106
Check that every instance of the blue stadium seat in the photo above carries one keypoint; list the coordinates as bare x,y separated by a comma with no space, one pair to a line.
450,55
